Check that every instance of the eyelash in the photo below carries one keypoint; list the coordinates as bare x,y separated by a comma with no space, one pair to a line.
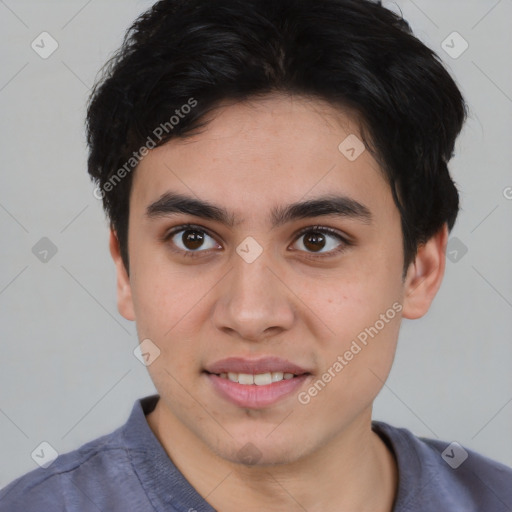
316,229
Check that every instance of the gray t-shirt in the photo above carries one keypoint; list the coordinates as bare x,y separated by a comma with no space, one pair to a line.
128,470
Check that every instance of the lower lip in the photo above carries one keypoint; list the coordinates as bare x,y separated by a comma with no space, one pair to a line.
253,396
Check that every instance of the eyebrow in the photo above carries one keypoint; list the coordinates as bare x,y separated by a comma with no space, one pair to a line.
171,203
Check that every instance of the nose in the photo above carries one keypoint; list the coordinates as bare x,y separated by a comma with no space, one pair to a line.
255,300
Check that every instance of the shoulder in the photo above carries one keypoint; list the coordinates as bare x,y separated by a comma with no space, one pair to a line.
71,478
441,475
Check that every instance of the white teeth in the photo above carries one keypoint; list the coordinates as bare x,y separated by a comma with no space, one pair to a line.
277,376
245,378
260,379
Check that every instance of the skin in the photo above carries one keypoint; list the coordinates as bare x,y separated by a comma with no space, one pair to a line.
251,157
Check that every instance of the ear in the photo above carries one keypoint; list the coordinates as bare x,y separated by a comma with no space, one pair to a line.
124,291
425,274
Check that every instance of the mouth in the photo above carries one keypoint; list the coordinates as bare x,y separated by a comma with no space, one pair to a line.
258,379
264,366
255,384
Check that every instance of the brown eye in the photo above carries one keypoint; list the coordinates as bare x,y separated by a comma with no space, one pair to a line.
316,239
192,239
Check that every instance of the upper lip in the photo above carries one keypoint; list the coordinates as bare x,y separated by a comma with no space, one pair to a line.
254,366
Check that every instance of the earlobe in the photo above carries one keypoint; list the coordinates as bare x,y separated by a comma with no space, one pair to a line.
424,275
124,291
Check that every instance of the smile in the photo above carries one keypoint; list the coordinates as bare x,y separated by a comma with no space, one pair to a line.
259,379
256,391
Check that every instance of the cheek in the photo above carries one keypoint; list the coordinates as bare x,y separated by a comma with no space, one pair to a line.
366,333
170,310
356,301
354,371
161,294
363,313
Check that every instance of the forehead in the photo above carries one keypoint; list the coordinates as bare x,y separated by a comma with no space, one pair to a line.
269,151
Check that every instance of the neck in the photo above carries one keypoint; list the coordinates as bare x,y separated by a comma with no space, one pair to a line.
352,471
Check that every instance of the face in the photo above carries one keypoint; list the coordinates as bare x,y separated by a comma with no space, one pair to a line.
315,291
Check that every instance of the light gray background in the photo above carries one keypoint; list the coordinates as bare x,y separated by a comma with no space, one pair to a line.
67,371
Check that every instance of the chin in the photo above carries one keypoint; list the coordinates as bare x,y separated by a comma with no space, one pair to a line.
260,450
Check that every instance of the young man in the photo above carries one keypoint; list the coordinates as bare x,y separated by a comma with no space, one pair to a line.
275,175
